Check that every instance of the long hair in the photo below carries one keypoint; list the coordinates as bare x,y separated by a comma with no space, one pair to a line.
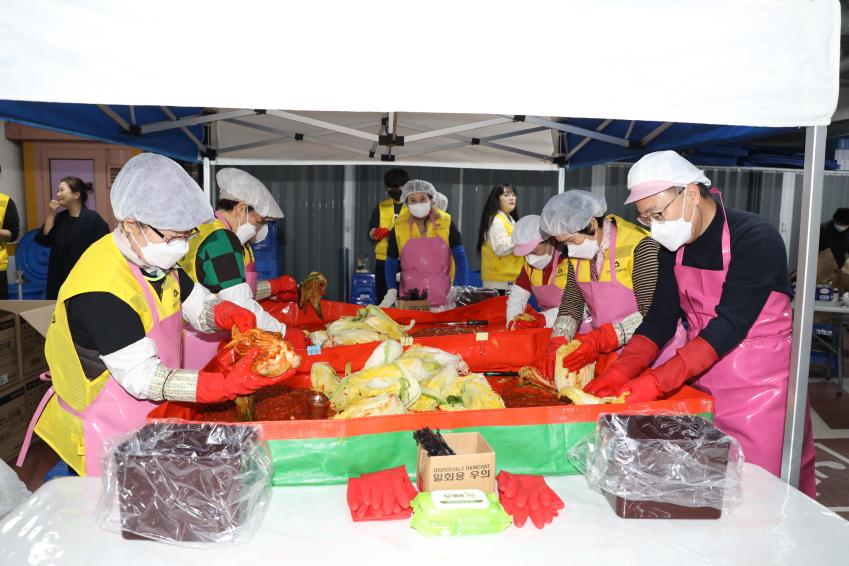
491,208
78,186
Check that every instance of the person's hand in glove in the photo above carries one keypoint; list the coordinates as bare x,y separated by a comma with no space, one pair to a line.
389,299
530,319
637,355
691,360
227,315
285,288
381,495
233,381
379,233
602,340
296,336
551,355
528,496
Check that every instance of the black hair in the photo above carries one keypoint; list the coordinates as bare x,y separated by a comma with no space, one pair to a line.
395,178
841,216
228,205
588,231
78,186
491,208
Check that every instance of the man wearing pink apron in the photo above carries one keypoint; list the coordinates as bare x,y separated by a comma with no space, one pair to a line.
612,275
728,276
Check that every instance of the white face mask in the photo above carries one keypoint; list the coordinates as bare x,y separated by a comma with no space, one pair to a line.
672,234
162,255
419,210
585,250
539,261
840,227
261,233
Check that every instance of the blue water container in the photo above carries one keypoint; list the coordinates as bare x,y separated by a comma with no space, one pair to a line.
269,264
475,279
363,289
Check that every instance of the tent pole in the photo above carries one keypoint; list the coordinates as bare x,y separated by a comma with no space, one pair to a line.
803,319
561,180
348,200
207,179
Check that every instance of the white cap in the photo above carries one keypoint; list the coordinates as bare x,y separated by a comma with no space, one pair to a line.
155,190
571,212
658,171
235,184
526,235
440,202
417,186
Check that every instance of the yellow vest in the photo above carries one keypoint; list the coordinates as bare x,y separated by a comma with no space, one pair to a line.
101,269
189,261
535,275
628,235
4,254
502,269
405,229
386,209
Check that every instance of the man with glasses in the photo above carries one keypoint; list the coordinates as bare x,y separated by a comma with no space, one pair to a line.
113,345
726,271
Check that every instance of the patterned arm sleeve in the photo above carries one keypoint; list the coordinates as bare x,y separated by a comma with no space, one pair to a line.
572,306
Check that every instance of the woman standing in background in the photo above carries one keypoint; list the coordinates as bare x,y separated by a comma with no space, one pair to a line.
70,232
499,267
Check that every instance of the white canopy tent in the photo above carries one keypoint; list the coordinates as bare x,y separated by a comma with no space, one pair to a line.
733,62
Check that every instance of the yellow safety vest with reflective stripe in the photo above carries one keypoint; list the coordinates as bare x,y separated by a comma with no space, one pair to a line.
386,208
101,269
628,235
189,261
438,226
535,276
502,269
4,254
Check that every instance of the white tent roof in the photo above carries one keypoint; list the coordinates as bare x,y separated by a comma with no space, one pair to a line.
742,62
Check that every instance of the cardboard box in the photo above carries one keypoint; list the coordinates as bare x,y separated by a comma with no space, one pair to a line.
14,418
473,467
23,326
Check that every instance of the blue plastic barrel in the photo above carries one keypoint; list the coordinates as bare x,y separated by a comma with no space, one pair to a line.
363,289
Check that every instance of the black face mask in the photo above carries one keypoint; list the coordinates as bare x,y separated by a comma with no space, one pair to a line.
394,193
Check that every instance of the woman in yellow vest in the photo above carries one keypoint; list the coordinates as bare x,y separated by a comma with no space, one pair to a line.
113,345
10,224
543,276
612,272
499,267
381,222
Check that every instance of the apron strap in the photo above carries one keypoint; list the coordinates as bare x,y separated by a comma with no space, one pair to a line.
145,285
726,235
32,422
612,249
555,260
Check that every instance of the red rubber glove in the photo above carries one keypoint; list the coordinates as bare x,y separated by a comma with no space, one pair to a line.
528,496
379,233
551,355
634,358
381,495
602,340
227,315
297,337
285,288
692,359
519,324
231,382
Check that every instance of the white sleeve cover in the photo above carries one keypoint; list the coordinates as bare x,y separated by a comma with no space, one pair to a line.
517,301
550,316
193,306
133,366
241,295
498,239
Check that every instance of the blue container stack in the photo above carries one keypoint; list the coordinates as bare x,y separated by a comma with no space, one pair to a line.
363,289
269,263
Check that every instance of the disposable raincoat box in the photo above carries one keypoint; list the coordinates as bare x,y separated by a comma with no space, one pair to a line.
473,467
23,326
14,417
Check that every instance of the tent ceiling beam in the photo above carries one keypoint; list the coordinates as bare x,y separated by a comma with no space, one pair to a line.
458,128
485,141
171,116
654,133
322,124
283,136
132,114
587,139
195,120
115,117
570,129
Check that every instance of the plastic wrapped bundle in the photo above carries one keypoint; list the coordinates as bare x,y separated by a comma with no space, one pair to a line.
663,466
186,483
462,296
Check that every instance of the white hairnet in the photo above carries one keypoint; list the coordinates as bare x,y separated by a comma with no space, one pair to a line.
440,202
417,186
156,191
235,184
571,212
526,235
658,171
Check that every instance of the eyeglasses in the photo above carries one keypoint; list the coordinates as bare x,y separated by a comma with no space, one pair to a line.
647,219
168,239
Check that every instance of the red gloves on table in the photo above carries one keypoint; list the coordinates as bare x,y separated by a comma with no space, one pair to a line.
519,324
528,496
227,315
634,358
602,340
233,381
379,233
297,337
285,288
381,496
692,359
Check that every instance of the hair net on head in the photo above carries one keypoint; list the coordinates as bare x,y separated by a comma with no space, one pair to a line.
417,186
235,184
156,191
526,235
571,212
440,202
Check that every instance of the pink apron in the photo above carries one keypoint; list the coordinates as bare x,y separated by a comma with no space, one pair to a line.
749,382
426,264
548,296
115,412
611,301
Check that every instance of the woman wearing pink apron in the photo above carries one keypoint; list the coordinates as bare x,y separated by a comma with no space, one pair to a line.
612,276
729,278
422,245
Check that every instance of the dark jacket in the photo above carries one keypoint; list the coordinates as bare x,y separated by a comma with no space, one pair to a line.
68,239
837,242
